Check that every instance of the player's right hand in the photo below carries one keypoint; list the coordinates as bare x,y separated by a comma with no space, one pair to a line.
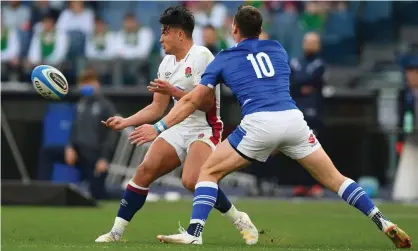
115,123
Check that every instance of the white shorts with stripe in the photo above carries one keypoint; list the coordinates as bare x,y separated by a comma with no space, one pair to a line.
262,133
181,137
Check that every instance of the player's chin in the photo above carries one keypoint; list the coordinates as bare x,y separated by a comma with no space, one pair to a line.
166,50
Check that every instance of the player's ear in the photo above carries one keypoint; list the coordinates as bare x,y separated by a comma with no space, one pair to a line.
181,35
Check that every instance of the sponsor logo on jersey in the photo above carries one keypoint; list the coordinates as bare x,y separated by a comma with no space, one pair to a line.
201,136
167,74
58,80
188,72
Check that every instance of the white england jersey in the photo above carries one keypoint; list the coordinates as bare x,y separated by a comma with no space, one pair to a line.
185,75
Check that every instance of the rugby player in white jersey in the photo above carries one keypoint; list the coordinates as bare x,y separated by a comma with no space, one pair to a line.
190,142
258,74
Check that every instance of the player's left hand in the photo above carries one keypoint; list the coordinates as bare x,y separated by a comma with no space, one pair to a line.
102,166
143,134
161,86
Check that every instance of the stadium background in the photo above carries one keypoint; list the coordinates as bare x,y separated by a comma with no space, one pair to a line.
363,43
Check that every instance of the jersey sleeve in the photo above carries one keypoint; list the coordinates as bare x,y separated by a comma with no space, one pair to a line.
200,65
213,73
160,68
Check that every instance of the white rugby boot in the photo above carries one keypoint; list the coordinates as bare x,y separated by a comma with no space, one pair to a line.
182,238
247,229
109,237
116,233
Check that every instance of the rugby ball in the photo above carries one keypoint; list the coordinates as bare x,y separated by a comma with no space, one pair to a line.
49,82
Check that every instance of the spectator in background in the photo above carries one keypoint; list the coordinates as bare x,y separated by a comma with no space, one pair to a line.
227,41
91,145
10,49
313,19
16,15
134,44
405,185
207,12
133,41
98,46
48,45
307,81
39,10
210,38
76,18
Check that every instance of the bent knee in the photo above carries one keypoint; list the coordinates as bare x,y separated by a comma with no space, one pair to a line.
212,173
189,183
146,174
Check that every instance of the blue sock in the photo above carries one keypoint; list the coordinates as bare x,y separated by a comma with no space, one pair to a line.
133,199
222,202
204,200
354,195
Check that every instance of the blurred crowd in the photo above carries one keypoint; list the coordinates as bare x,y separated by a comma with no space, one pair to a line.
120,38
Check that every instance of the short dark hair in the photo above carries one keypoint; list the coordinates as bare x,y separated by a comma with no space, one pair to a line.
130,15
210,27
178,17
89,75
51,15
248,19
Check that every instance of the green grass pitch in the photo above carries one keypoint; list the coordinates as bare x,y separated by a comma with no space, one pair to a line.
287,226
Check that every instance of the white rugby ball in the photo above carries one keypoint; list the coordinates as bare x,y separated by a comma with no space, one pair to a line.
49,82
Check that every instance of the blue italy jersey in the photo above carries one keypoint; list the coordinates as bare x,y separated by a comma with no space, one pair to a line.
257,71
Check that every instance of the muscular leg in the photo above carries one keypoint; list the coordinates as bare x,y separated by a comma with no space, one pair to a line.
222,161
323,170
198,153
160,159
320,166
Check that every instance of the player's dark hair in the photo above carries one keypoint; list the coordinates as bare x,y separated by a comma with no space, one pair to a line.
248,19
178,17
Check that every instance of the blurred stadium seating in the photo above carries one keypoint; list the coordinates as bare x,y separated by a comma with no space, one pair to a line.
347,28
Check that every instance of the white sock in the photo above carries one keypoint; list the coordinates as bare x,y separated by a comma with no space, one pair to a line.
119,226
232,214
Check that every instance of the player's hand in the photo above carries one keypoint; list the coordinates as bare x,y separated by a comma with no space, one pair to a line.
143,134
71,156
115,123
102,166
161,86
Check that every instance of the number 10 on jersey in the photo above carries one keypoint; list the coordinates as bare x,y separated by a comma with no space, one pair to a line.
262,60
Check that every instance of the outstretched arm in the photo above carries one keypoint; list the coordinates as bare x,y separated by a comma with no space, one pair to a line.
152,112
187,105
183,108
164,87
148,114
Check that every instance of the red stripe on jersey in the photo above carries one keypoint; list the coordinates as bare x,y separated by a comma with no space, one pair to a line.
137,190
215,123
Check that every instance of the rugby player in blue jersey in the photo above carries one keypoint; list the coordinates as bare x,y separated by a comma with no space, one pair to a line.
258,74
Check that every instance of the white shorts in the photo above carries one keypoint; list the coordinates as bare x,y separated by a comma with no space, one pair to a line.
262,133
181,138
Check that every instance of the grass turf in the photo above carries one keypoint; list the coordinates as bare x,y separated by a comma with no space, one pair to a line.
288,226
